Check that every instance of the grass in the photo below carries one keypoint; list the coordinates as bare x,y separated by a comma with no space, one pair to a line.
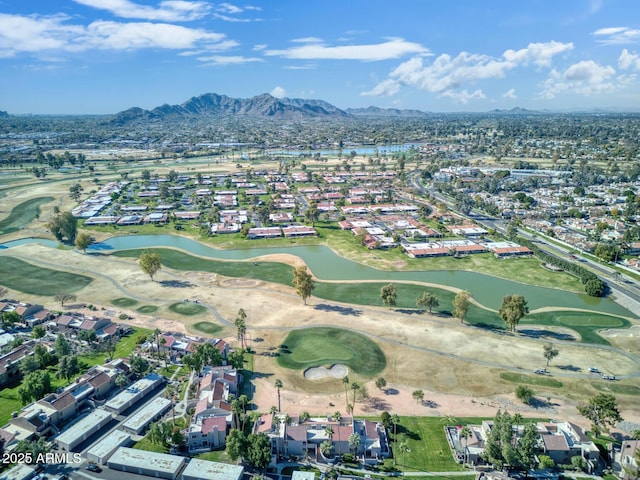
536,380
583,323
147,309
124,302
207,327
34,280
22,214
615,387
215,456
125,346
267,271
187,308
324,346
9,402
426,439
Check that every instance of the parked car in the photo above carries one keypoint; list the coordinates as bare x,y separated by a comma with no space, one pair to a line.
540,371
593,370
92,467
608,377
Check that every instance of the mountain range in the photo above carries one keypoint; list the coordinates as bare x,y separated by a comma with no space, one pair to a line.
260,106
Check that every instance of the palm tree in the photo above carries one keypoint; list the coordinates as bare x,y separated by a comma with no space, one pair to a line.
404,448
345,382
156,334
354,442
355,387
241,326
465,433
395,419
325,448
163,342
278,384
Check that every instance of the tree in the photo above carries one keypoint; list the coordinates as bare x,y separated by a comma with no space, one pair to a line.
355,440
236,444
150,263
278,384
75,191
68,367
403,448
38,332
303,283
64,225
546,462
381,383
345,382
389,295
259,450
594,287
524,394
34,386
83,241
465,434
139,365
418,396
550,352
29,364
502,446
64,297
461,304
9,318
63,346
241,326
326,448
121,381
355,387
428,300
513,308
602,410
395,420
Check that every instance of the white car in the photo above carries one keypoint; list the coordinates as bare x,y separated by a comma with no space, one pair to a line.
540,371
593,370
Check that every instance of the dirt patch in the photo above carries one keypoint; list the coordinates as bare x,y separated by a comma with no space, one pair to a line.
334,371
239,283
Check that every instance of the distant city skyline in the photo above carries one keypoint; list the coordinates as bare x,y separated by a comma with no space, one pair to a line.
104,56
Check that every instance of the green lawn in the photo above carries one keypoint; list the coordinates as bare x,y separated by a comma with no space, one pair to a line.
207,327
536,380
426,439
325,346
34,280
22,214
616,387
187,308
125,346
9,403
124,302
215,456
583,323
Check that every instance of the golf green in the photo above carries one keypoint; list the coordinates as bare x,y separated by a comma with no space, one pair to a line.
34,280
187,308
323,346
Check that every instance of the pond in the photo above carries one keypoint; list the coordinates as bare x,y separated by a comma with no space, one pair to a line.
327,265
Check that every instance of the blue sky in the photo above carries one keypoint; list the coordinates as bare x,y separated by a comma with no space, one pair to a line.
103,56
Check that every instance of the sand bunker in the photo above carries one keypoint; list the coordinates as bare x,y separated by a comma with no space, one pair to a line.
336,371
239,283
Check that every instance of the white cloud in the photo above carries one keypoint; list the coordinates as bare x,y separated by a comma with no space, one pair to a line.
53,34
278,92
584,78
449,76
228,60
617,35
228,8
511,94
315,50
168,11
259,47
384,89
629,60
539,54
464,96
308,66
227,18
307,40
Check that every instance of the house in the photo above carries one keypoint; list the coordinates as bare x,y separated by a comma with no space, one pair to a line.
264,232
625,462
10,362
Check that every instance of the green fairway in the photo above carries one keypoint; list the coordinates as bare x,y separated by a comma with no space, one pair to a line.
124,302
537,380
187,308
147,309
22,215
324,346
586,324
28,278
268,271
207,327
